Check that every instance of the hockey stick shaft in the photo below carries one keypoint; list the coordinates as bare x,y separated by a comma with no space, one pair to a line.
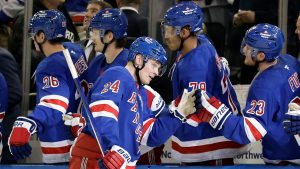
297,137
84,99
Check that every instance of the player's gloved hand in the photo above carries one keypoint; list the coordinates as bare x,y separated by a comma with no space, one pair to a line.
213,111
1,145
75,121
186,105
115,158
194,119
2,114
19,137
291,122
191,119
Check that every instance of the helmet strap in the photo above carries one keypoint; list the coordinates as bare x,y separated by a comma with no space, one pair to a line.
105,44
137,72
182,41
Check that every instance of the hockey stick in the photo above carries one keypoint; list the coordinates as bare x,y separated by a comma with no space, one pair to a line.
297,137
84,99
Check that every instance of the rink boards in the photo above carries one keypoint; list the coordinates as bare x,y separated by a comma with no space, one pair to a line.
154,167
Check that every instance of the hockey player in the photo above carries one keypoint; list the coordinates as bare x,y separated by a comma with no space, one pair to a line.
109,36
108,29
122,118
3,105
276,84
291,123
198,66
55,92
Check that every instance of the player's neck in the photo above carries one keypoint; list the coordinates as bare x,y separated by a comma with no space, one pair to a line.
49,49
189,44
50,5
111,54
264,65
130,67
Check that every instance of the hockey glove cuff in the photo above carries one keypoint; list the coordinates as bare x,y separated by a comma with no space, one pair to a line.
213,111
116,157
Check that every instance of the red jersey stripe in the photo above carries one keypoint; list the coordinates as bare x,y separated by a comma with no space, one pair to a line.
147,125
56,150
253,130
104,107
205,148
57,102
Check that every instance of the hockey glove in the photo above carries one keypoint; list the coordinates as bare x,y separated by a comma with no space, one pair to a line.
186,105
115,158
1,145
2,114
291,123
193,119
19,137
213,111
75,121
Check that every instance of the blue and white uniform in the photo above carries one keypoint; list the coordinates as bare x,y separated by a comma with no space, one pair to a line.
122,116
202,68
264,112
3,105
56,95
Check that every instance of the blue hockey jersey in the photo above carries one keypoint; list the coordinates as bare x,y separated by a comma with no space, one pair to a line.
3,103
122,116
99,65
56,95
201,68
269,95
97,68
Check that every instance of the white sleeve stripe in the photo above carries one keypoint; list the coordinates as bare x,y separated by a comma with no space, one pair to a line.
251,132
53,106
56,143
2,114
146,134
108,102
56,97
150,90
146,121
104,114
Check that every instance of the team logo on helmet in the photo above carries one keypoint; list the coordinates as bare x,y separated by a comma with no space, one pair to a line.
51,22
113,20
264,38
